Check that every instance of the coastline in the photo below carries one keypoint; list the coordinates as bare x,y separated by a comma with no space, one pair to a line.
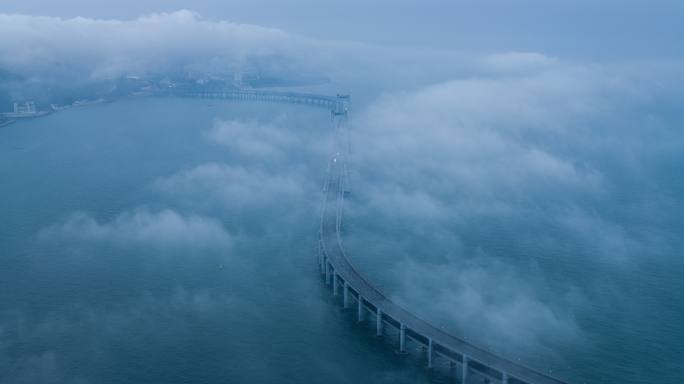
13,116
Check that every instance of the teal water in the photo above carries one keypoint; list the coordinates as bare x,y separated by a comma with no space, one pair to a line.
168,241
135,247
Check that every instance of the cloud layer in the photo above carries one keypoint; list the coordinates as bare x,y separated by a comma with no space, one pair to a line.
505,196
488,203
167,42
165,230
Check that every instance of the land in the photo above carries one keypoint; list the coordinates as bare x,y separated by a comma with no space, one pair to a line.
45,103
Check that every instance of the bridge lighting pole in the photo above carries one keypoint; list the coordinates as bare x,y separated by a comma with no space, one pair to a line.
402,338
378,323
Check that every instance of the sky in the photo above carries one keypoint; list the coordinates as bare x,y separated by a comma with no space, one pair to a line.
521,154
608,29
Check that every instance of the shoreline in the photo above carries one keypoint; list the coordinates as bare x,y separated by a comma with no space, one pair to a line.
13,117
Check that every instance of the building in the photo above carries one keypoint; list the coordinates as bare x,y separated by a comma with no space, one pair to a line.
26,108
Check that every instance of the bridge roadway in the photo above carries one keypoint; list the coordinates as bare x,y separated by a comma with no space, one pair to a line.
340,272
329,102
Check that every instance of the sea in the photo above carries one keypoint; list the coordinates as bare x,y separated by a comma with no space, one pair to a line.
163,240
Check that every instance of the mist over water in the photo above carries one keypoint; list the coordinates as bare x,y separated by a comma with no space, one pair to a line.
519,187
548,233
181,258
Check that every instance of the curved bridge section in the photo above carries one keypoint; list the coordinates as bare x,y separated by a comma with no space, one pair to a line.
474,363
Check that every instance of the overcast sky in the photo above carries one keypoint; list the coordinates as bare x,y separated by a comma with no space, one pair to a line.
605,29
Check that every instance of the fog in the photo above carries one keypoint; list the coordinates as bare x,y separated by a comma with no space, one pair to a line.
514,170
538,154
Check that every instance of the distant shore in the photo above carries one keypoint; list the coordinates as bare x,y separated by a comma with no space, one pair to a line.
14,116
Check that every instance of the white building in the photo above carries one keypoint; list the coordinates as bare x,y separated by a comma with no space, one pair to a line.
25,108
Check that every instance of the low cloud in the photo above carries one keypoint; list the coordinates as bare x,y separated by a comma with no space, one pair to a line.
235,187
165,42
254,139
496,173
164,230
490,303
468,175
478,133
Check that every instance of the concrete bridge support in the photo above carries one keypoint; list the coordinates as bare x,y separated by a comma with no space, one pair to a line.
402,338
429,353
345,295
504,378
335,282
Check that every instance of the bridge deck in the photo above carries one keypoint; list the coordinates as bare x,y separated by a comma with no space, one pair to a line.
334,256
329,102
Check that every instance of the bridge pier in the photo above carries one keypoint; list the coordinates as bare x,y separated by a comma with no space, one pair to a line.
504,378
464,369
345,295
452,369
359,309
327,273
378,323
429,353
335,282
402,338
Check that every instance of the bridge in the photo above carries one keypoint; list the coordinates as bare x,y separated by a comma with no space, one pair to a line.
371,303
335,104
466,361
